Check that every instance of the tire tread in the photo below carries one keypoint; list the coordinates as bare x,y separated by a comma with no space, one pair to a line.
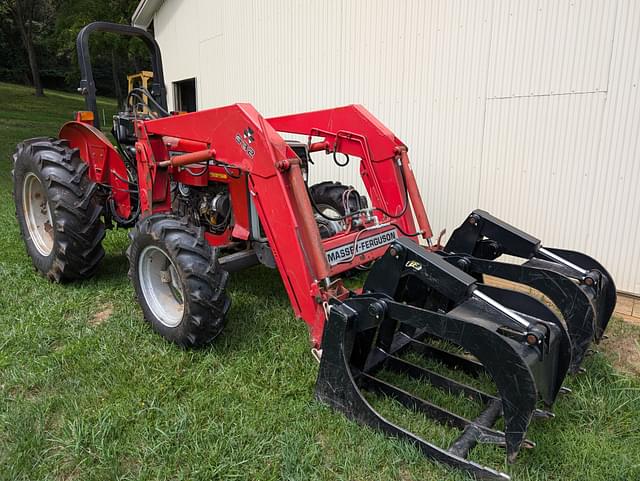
204,280
75,203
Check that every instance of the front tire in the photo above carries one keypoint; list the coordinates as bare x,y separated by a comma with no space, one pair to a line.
177,279
58,208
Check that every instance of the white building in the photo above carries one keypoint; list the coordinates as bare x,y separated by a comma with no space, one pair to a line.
527,109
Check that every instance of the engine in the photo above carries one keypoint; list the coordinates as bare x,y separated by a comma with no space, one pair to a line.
208,206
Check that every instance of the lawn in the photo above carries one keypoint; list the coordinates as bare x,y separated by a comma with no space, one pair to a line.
88,392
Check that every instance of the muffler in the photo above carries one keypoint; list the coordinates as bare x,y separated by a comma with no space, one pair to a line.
414,301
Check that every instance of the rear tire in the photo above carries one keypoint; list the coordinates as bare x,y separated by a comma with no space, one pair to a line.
329,196
177,279
58,208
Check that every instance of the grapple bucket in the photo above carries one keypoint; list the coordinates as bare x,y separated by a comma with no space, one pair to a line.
580,287
415,301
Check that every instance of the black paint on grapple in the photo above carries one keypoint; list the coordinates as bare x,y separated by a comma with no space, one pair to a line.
585,299
412,297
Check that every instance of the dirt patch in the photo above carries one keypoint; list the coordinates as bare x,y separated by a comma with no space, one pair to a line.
102,315
70,475
624,353
514,286
405,475
635,321
27,393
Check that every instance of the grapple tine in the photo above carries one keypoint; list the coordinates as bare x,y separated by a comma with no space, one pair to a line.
337,386
398,365
577,284
512,365
605,287
413,295
404,342
528,306
576,307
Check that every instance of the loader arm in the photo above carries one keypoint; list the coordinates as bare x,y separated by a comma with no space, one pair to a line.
277,189
280,204
353,130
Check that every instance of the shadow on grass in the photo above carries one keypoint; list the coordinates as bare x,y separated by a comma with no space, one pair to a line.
260,311
113,267
259,303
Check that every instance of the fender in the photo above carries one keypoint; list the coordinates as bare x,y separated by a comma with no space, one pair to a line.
106,166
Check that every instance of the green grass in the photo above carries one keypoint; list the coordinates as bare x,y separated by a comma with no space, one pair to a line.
87,398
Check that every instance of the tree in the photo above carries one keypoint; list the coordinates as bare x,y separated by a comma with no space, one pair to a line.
113,56
38,44
27,15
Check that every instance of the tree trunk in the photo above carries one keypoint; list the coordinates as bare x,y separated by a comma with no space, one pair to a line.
35,71
116,81
24,25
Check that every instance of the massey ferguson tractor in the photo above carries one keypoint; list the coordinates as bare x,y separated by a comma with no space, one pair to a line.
215,191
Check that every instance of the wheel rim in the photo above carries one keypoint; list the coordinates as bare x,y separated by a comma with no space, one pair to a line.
329,211
37,214
161,286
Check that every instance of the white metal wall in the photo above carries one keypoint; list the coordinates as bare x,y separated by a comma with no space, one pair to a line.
528,109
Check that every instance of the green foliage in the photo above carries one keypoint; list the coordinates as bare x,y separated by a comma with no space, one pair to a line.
109,52
88,392
56,28
13,61
33,16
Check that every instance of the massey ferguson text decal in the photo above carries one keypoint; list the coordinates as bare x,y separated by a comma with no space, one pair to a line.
345,252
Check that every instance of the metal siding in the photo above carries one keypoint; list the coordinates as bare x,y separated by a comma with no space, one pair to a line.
550,47
616,202
526,108
543,173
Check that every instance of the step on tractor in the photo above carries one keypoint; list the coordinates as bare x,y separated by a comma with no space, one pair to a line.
211,192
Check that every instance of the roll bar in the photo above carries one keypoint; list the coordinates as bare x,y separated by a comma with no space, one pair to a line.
87,84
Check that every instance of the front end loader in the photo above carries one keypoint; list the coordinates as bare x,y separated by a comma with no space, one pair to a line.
209,193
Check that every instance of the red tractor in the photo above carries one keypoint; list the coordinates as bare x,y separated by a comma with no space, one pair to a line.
211,192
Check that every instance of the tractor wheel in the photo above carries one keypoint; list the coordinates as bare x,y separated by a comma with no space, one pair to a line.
328,197
58,208
178,281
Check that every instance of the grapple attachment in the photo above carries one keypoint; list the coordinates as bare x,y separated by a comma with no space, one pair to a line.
582,290
414,301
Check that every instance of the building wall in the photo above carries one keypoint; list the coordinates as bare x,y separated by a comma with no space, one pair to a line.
527,109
